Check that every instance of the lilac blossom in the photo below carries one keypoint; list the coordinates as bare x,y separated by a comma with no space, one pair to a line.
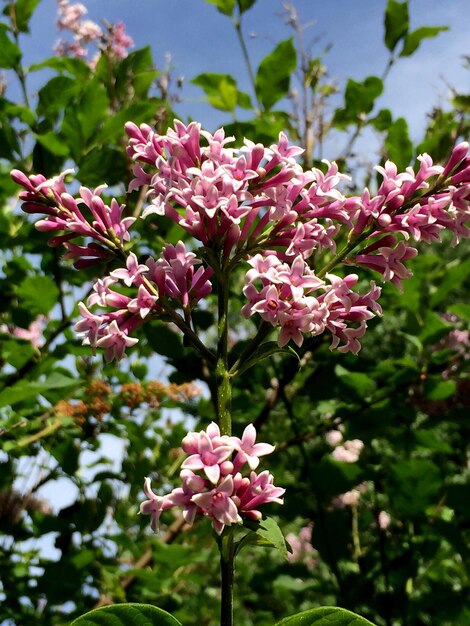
257,206
218,480
88,35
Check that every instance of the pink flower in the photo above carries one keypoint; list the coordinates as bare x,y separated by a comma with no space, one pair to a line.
218,505
153,506
349,452
208,457
114,341
249,451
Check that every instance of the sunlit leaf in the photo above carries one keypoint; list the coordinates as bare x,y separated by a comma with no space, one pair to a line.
125,615
325,616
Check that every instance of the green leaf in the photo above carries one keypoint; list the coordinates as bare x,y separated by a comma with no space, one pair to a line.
273,75
265,350
37,294
398,143
221,90
382,120
24,10
132,614
362,384
461,309
53,143
434,328
397,22
360,96
55,94
10,54
265,533
416,484
413,39
76,67
437,389
454,278
224,6
244,5
325,616
25,389
102,163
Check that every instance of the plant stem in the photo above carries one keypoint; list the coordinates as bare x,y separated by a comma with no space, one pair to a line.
226,548
222,376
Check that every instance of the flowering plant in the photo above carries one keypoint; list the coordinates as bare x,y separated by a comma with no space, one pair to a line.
290,228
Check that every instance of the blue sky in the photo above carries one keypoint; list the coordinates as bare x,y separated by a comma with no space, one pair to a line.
200,39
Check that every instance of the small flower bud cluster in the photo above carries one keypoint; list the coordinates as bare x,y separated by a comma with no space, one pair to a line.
87,33
218,480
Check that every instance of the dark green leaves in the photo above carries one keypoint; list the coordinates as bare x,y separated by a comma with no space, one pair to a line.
416,485
274,71
127,615
10,54
325,616
397,22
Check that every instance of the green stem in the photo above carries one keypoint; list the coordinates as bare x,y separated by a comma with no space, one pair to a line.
226,548
238,28
263,331
222,376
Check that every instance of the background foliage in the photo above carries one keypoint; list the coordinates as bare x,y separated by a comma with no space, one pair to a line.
387,535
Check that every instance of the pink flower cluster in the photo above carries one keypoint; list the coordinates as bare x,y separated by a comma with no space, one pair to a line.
214,483
104,224
300,303
169,282
85,32
254,205
302,550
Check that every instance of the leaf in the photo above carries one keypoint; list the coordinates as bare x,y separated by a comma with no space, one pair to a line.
398,144
461,309
53,143
273,76
25,389
265,533
244,5
325,616
360,96
37,294
453,279
10,54
224,6
397,22
362,384
24,10
437,389
434,328
413,39
416,484
263,351
55,94
131,614
382,120
221,90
